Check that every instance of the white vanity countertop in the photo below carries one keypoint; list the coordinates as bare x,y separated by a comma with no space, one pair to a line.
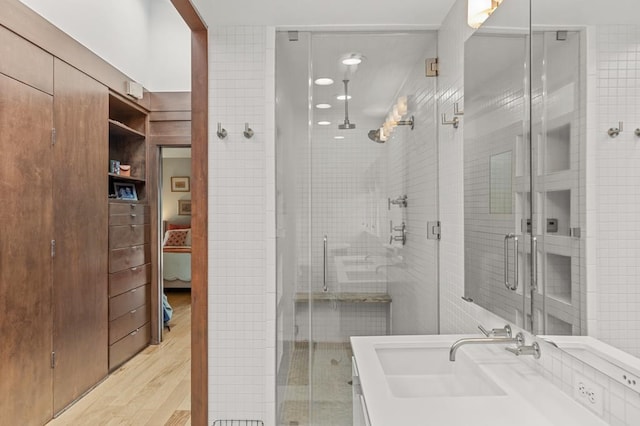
528,398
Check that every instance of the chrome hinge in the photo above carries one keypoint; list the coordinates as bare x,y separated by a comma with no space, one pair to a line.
53,136
433,230
431,67
53,360
53,248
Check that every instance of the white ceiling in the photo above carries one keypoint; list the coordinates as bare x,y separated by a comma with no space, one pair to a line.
374,84
302,13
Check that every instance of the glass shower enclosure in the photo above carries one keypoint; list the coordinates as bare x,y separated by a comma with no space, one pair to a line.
356,171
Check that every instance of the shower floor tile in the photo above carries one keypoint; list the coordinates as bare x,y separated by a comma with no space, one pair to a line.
331,375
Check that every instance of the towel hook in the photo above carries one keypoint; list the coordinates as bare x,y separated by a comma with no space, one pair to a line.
613,132
222,133
248,132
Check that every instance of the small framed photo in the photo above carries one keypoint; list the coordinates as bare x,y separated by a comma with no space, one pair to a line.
125,191
184,207
180,184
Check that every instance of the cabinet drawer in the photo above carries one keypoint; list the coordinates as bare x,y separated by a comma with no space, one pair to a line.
128,257
128,208
128,214
129,345
128,279
126,302
127,323
128,235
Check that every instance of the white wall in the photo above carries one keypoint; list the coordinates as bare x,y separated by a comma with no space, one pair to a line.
617,302
145,39
242,257
169,50
174,167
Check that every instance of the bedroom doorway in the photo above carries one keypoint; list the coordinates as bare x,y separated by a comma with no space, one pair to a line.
174,205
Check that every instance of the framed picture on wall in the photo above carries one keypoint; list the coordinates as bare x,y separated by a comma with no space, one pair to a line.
180,184
184,207
125,191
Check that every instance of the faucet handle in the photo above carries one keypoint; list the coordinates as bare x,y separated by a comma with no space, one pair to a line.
496,332
533,349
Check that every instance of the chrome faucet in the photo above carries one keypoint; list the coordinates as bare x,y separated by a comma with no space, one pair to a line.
518,340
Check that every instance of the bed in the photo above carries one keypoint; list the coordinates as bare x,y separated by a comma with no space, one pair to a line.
176,255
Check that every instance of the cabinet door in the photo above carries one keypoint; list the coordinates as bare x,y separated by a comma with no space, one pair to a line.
80,265
26,215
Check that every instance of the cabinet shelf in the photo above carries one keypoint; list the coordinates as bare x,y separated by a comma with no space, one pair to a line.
116,128
127,178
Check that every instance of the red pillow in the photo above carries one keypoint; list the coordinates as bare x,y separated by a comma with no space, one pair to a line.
176,238
171,226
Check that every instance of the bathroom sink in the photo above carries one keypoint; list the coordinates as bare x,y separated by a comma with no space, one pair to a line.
424,371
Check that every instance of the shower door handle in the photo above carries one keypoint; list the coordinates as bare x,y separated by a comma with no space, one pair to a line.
514,286
324,266
534,257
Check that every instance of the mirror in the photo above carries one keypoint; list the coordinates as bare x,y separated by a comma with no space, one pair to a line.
574,186
496,164
601,55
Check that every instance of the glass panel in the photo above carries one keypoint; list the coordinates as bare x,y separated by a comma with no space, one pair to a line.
497,194
557,114
353,209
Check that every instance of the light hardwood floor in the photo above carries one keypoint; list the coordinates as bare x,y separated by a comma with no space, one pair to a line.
153,388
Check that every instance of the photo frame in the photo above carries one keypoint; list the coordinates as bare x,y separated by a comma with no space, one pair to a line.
180,184
184,207
125,191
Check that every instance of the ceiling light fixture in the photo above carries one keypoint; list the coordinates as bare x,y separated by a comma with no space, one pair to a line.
342,97
323,81
352,59
323,106
324,123
479,10
338,137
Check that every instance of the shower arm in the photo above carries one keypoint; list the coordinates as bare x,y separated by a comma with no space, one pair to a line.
346,102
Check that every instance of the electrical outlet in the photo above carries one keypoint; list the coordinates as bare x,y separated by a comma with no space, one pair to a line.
588,393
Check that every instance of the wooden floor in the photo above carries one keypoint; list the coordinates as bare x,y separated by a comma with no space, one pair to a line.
153,388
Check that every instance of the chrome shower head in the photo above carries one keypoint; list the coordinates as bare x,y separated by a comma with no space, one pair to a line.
346,125
374,135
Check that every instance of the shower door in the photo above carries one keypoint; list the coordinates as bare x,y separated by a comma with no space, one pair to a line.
353,254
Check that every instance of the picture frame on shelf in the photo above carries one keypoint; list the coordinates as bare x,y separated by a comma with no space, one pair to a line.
180,184
184,207
125,191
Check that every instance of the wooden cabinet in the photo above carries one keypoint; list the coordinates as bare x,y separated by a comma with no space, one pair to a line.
129,233
79,265
26,214
127,147
129,280
62,260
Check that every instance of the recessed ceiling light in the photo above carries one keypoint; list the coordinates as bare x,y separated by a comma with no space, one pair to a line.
323,106
324,123
353,59
324,81
341,97
338,137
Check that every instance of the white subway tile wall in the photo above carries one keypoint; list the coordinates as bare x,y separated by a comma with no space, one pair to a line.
620,44
242,221
242,225
456,315
412,163
618,186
